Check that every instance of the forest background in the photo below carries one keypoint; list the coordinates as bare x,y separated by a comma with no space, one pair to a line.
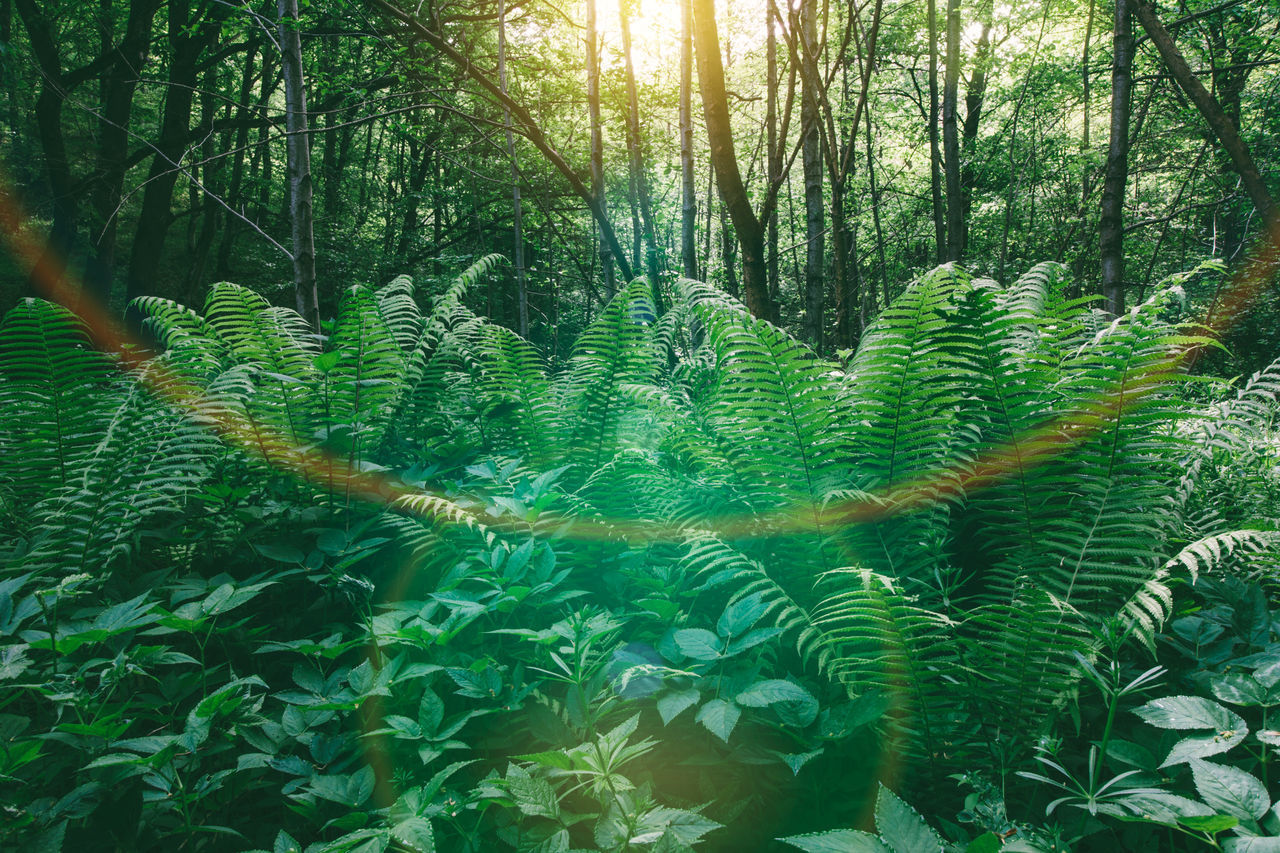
859,144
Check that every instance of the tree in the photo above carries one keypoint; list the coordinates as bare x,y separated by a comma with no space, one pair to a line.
635,158
951,136
298,147
1111,229
1223,127
724,160
811,157
596,156
517,212
688,194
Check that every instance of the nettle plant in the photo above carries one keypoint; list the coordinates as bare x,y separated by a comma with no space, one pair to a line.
405,585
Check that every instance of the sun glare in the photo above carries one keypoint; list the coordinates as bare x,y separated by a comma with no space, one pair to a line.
655,34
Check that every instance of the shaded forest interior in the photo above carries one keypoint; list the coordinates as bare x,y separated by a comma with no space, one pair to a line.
810,159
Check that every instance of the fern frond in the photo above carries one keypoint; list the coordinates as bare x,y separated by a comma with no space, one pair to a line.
615,350
52,390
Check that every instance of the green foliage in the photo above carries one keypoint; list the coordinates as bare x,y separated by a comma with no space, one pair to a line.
409,585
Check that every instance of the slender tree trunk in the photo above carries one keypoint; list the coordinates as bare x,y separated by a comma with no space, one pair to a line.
639,181
222,266
48,115
811,153
973,102
597,145
1219,122
689,194
261,166
875,218
951,136
1086,82
1111,231
118,87
213,177
773,153
728,255
935,153
750,233
517,215
1086,145
186,42
298,150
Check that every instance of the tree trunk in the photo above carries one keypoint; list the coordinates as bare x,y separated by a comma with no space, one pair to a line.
811,153
951,136
1219,122
935,154
597,147
639,182
715,105
298,151
773,154
48,114
222,266
875,218
1111,230
973,102
689,195
118,87
517,214
186,42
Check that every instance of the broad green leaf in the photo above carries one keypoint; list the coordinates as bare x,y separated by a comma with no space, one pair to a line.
1200,746
1189,712
1230,790
1209,823
280,553
739,616
671,705
533,796
750,640
1251,845
719,717
415,833
1162,806
837,841
988,842
798,760
770,692
698,643
901,827
1238,688
285,843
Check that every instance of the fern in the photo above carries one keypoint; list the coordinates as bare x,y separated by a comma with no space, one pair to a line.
51,383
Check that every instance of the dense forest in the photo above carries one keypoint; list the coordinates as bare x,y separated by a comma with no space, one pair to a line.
660,425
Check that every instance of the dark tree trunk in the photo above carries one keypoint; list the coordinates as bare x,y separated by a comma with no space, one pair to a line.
973,102
750,233
772,151
935,154
298,153
48,115
1111,229
811,153
235,195
597,147
1219,122
517,211
118,87
186,41
951,136
639,182
689,196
